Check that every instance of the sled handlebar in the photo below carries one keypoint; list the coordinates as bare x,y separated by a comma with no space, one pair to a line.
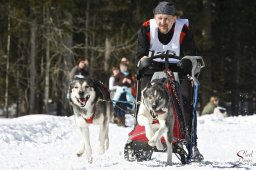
149,63
165,56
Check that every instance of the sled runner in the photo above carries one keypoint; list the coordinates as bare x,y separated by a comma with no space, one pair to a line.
137,147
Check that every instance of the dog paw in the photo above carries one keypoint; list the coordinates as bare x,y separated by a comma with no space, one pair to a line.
79,153
159,146
101,150
152,143
168,164
89,160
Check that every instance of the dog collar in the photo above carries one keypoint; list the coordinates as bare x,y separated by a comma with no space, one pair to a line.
153,115
90,119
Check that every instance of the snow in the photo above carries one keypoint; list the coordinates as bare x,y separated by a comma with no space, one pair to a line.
45,142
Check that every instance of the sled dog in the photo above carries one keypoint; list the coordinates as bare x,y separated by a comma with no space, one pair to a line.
90,103
155,105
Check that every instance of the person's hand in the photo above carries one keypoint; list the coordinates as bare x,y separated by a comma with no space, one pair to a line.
185,65
124,80
128,81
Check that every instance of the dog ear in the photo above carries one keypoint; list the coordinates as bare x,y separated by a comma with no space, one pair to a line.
72,83
163,80
90,82
144,94
149,84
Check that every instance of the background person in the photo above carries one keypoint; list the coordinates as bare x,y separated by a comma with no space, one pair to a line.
123,99
125,82
112,82
81,68
211,105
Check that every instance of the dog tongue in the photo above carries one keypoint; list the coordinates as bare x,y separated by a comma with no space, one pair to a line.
159,112
82,101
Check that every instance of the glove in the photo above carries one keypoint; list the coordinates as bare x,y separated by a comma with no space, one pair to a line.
185,65
142,60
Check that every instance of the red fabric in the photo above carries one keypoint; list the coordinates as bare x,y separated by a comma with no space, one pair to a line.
140,135
176,127
182,35
146,24
89,121
148,35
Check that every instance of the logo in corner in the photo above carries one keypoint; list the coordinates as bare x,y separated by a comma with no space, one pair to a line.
245,156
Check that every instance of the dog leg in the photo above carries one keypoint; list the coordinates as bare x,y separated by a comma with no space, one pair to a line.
106,138
86,138
159,133
143,121
108,119
168,138
159,145
169,150
81,150
149,134
80,124
102,138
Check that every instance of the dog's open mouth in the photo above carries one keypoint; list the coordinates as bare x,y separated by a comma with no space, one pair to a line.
83,100
159,112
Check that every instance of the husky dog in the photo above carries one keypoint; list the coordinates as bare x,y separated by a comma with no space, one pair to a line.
90,102
155,105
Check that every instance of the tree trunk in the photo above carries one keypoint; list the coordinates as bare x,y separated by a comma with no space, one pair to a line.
63,108
206,72
87,28
7,64
32,68
47,67
235,108
92,42
107,54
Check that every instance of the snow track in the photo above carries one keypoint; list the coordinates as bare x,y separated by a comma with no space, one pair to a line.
46,142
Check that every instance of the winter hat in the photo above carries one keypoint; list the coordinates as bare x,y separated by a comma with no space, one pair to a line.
124,59
165,8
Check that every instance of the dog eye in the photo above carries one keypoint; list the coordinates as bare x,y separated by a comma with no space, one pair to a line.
150,97
86,87
76,87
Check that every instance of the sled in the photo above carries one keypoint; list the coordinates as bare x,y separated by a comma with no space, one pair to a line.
137,147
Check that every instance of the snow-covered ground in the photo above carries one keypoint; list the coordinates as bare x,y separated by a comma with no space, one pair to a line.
50,143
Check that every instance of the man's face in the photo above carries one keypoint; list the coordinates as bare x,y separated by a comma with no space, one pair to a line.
164,22
123,67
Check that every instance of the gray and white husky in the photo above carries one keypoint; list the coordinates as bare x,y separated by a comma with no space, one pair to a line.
91,105
155,104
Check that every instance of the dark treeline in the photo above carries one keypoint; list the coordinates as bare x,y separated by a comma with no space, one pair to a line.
40,41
